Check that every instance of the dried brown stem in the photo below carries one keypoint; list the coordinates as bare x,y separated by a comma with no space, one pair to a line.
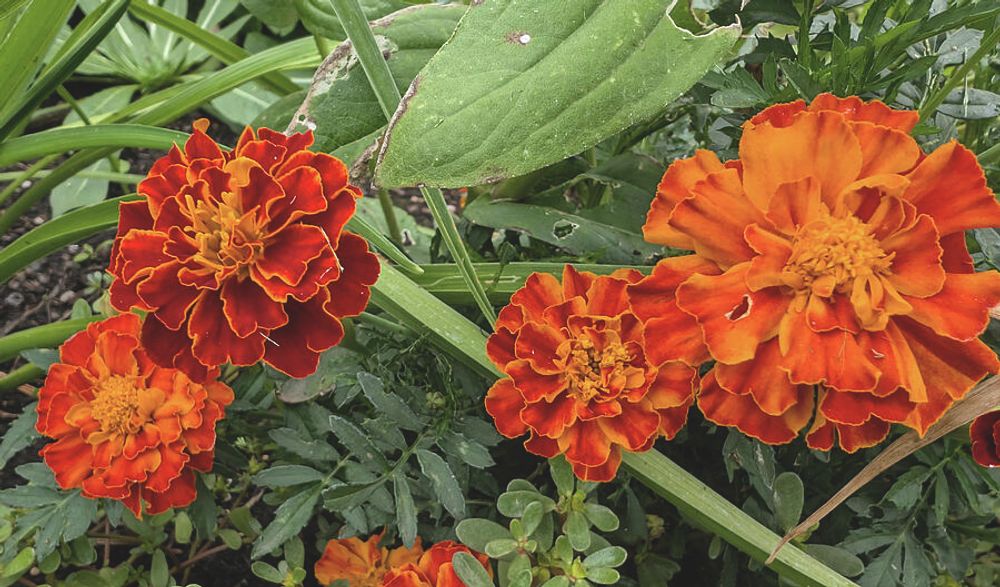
983,398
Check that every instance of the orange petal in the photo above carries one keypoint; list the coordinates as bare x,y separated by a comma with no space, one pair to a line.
949,186
500,347
575,283
672,386
505,403
654,295
779,115
833,357
312,328
875,111
854,408
816,144
674,336
891,353
835,313
633,428
916,267
950,369
729,409
249,309
767,268
532,384
550,418
733,319
69,459
540,291
795,204
538,344
541,446
675,186
601,473
606,296
885,150
851,438
760,377
961,309
715,217
585,443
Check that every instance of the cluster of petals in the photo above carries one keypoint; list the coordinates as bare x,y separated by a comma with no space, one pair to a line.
124,427
366,564
241,256
831,282
583,376
985,435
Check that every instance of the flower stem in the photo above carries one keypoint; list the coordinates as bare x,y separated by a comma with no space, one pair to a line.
355,24
390,216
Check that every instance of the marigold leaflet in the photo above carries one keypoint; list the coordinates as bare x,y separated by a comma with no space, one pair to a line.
832,278
124,427
583,376
241,256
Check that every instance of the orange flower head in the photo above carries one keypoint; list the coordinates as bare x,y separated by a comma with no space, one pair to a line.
124,427
434,569
985,435
584,378
830,273
362,564
241,256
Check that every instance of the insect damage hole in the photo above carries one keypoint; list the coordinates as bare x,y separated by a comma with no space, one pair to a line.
563,229
740,310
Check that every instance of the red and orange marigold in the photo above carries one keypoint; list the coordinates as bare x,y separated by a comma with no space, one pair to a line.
985,435
362,563
434,569
241,256
584,378
831,279
124,427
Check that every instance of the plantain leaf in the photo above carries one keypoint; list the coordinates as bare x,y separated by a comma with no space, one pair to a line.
506,95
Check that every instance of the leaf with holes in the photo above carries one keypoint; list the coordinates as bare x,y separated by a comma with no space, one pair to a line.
506,95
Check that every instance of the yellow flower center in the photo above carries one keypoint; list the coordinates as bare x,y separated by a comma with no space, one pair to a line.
228,239
830,253
599,374
116,405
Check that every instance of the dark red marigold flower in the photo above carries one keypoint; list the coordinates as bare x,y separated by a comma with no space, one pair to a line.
124,427
584,376
985,434
241,256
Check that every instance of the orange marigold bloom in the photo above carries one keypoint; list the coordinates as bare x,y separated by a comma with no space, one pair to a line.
985,435
126,428
362,564
830,272
583,376
241,256
434,569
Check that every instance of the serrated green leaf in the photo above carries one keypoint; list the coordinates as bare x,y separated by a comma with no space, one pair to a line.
313,450
506,96
445,485
356,441
287,476
388,404
406,511
20,434
289,519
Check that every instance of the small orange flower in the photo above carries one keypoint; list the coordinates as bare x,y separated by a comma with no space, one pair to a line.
362,564
241,256
434,569
583,376
830,260
985,434
125,428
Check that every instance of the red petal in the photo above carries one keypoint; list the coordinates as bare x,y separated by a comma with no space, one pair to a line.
728,409
601,473
249,309
538,344
163,294
761,378
505,403
214,342
985,436
550,419
633,428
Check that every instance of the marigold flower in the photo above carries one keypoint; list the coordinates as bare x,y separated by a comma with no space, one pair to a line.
985,434
434,569
831,272
584,378
124,427
241,256
362,564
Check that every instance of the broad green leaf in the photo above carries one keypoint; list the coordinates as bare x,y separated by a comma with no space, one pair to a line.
267,572
340,106
279,16
159,574
289,519
81,190
612,556
476,533
788,498
60,232
320,19
406,511
445,485
471,571
577,529
507,96
575,234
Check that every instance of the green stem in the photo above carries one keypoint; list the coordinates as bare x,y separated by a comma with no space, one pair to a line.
19,177
932,103
23,374
355,24
323,46
126,178
380,322
805,50
46,336
987,157
390,216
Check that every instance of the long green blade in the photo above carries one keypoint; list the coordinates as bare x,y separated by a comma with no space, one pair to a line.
46,336
57,233
59,140
22,51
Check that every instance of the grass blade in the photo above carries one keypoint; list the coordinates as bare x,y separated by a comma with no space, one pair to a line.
59,140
